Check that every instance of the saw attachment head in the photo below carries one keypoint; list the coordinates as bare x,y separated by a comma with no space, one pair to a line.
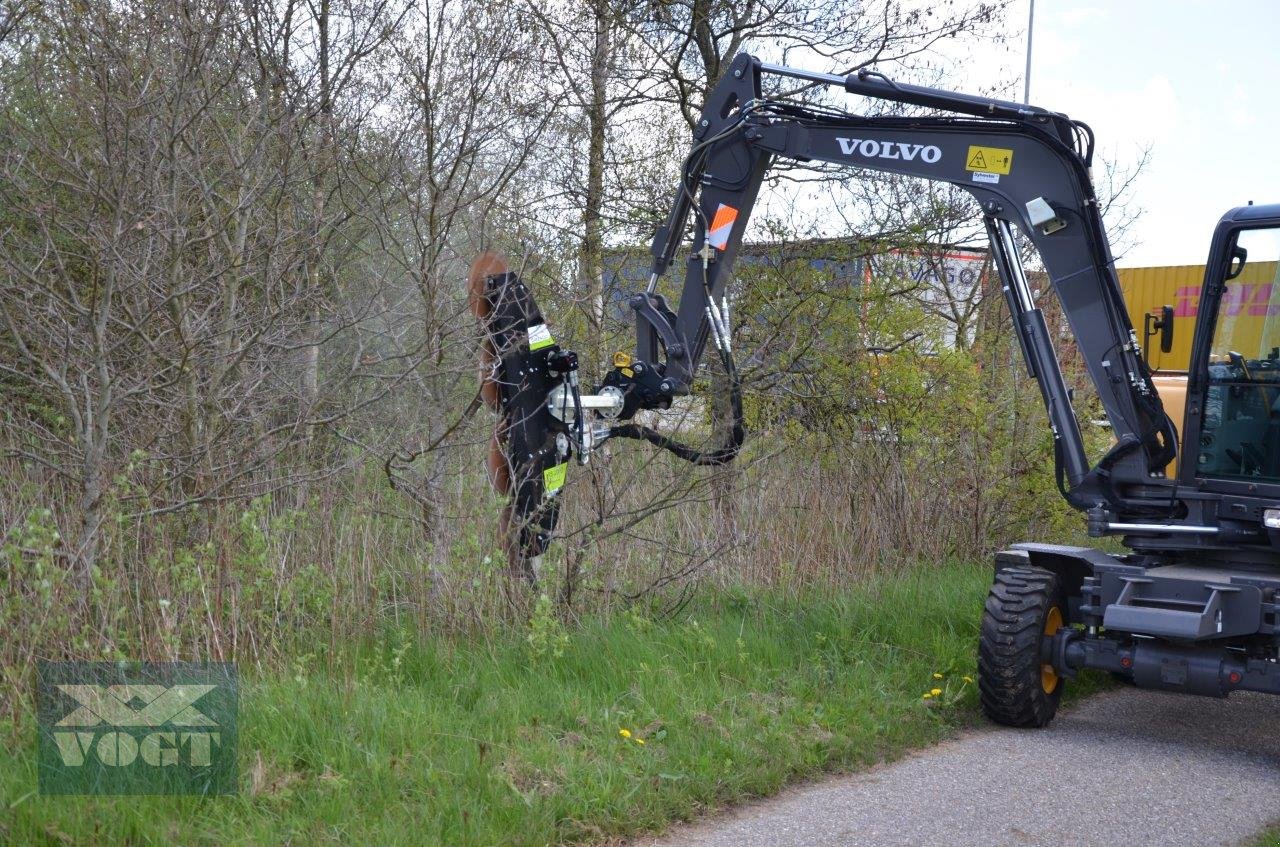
528,453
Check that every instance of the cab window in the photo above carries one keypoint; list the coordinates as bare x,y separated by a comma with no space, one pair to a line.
1240,438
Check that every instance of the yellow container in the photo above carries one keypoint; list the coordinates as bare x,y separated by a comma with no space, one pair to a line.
1250,302
1253,300
1146,290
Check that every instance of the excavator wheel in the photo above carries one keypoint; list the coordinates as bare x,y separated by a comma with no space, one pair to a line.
1016,687
525,460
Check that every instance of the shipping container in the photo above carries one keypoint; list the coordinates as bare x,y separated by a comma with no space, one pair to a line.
1252,302
1256,301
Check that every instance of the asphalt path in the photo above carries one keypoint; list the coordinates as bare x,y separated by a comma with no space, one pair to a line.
1125,767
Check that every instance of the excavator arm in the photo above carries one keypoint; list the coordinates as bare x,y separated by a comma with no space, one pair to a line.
1028,169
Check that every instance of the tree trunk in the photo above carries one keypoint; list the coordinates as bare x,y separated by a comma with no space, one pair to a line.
591,249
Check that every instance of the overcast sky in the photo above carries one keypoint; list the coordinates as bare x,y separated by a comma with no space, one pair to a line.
1199,82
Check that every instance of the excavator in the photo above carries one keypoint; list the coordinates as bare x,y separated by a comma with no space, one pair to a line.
1189,606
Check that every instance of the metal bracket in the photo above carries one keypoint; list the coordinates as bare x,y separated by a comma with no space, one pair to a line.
655,324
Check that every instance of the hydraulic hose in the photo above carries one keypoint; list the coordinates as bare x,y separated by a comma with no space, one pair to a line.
721,455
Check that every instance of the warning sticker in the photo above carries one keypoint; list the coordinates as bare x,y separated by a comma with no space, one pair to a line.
721,226
553,478
994,160
539,337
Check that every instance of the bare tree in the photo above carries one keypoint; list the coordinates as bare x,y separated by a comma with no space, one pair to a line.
599,174
159,253
696,39
475,113
12,13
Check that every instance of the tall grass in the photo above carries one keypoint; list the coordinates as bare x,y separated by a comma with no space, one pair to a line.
559,734
320,565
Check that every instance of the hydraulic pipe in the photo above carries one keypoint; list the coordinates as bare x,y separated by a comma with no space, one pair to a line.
869,83
1037,350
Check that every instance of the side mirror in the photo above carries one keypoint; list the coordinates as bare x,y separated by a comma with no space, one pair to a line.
1235,265
1163,324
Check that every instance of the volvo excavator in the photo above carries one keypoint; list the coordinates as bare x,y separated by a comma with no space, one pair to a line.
1190,606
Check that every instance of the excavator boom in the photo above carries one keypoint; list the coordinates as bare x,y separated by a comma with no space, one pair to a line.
1027,168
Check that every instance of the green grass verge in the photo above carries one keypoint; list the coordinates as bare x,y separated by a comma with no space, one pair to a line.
491,743
1269,838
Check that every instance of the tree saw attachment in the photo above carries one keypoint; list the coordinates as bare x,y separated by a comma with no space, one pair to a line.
543,416
533,385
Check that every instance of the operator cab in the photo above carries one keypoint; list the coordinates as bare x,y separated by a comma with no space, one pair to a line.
1240,430
1231,444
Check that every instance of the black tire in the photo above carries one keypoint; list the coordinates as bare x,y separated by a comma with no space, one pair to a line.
1010,682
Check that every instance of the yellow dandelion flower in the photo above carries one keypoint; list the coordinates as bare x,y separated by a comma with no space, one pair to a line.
937,676
625,733
927,695
968,679
640,741
935,692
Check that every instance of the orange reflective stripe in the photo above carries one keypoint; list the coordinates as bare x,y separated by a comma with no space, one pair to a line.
721,226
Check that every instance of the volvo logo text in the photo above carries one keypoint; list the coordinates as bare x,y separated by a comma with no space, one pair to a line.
872,149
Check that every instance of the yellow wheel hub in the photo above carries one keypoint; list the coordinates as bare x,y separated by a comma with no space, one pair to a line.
1048,676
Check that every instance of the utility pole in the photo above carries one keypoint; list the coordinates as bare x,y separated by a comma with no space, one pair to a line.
1013,363
1026,78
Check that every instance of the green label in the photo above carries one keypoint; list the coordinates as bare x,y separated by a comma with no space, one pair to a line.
540,336
553,478
136,728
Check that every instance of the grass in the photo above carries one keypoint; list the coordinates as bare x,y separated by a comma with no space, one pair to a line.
1268,838
505,742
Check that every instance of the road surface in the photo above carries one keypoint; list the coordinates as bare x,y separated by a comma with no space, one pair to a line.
1126,767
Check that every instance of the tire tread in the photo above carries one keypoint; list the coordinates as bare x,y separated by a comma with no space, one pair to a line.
1009,648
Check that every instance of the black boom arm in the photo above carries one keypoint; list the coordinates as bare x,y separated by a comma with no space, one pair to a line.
1027,167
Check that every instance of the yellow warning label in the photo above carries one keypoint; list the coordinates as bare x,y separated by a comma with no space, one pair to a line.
993,160
553,478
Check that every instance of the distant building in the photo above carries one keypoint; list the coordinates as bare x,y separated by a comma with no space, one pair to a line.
947,281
